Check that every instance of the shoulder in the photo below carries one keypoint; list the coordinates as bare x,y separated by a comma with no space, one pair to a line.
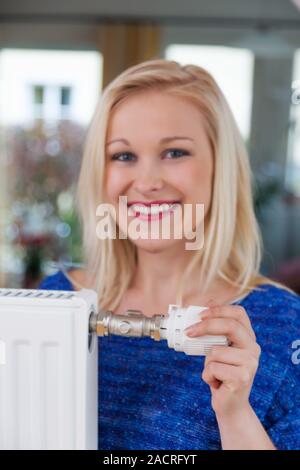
275,317
78,276
273,299
56,281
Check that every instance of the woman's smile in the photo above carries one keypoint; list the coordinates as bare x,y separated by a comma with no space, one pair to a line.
153,211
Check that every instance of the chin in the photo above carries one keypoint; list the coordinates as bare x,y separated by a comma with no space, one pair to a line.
156,246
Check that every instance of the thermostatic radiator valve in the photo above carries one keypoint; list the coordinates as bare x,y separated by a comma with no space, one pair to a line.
159,327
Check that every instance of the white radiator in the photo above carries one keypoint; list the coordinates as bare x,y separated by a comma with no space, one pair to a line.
48,370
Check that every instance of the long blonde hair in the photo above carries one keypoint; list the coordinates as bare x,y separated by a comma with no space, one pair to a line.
232,248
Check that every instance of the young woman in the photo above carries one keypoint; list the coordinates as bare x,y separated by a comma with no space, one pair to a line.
164,134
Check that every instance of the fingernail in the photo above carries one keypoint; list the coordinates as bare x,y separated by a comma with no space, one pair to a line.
204,314
190,332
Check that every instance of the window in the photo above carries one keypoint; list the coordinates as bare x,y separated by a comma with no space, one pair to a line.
65,96
46,102
293,164
231,67
38,94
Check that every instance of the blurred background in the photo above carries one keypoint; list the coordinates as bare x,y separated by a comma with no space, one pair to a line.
56,57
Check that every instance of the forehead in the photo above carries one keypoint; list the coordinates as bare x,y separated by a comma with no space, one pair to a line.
154,113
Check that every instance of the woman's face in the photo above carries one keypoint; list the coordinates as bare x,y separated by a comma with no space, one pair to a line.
147,164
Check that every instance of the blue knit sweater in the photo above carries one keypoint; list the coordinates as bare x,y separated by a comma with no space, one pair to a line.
153,398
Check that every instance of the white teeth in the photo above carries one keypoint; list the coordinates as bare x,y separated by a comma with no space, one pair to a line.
165,207
151,210
154,210
130,210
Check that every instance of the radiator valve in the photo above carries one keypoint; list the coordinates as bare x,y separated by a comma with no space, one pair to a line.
168,327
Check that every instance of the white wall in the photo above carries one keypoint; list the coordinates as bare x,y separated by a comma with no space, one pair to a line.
22,69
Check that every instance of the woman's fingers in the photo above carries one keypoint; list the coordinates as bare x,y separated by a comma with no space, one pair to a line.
236,333
229,371
232,356
232,377
236,312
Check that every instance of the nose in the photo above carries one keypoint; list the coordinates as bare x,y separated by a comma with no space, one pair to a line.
148,179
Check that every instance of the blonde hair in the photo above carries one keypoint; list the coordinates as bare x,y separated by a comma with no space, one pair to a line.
232,248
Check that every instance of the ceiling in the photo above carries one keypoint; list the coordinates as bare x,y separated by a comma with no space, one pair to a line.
280,13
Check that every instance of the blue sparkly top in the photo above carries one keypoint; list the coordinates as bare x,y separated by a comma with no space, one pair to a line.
153,398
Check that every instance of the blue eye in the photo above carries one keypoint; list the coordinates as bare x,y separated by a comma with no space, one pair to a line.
183,152
118,155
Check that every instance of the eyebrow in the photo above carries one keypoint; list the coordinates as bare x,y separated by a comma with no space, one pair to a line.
162,141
